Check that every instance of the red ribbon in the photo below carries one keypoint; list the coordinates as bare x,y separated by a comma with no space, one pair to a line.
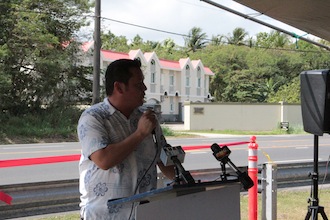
76,157
208,146
38,160
68,158
5,197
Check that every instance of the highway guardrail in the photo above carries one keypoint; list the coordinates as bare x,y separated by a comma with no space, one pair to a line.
38,198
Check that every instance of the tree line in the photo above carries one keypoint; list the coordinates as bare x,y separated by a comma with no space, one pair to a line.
257,69
40,46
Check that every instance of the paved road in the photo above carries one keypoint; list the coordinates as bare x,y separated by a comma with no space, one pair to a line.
280,149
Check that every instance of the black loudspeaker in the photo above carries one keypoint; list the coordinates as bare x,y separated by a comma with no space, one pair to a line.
315,101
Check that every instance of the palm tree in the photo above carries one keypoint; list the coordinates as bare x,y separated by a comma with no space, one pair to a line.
274,39
238,37
169,45
217,40
137,41
196,39
280,40
269,87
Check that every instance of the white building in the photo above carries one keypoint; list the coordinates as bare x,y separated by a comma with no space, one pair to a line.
170,83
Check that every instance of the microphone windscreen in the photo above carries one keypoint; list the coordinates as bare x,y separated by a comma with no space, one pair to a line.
215,148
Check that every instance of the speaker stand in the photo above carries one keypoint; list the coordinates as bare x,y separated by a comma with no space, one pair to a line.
314,209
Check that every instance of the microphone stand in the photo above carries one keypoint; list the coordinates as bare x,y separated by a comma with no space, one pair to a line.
243,177
314,208
175,156
221,154
180,173
223,175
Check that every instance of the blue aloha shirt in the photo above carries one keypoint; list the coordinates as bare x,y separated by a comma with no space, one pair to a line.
98,126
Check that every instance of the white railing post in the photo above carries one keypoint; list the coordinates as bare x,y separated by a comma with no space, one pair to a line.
269,191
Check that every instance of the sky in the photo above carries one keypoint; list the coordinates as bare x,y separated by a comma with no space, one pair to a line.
179,17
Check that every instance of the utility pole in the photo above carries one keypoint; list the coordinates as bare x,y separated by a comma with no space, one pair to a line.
97,48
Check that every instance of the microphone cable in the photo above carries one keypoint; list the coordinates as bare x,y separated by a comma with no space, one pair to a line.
145,173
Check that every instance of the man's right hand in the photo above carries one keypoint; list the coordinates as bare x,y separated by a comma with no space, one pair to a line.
147,122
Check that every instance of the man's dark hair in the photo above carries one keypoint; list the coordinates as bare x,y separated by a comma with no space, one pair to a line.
119,71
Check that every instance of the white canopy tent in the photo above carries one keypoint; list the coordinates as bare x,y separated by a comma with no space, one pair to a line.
311,16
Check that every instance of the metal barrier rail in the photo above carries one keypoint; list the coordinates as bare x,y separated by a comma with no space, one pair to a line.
32,199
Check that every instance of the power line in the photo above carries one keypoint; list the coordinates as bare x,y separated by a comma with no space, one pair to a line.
149,28
174,33
207,39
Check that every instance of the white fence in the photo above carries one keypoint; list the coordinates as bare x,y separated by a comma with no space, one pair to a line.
240,116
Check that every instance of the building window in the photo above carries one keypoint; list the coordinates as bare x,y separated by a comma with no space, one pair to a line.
161,76
187,76
198,82
153,71
153,78
171,80
187,81
199,77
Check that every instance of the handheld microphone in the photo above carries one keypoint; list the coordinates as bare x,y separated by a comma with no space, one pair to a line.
144,108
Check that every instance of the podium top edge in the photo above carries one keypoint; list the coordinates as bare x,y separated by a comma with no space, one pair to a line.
172,191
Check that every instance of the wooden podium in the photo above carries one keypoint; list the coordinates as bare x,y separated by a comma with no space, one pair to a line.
215,200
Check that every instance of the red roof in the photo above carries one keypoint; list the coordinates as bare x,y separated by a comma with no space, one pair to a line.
85,46
170,64
112,55
208,71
